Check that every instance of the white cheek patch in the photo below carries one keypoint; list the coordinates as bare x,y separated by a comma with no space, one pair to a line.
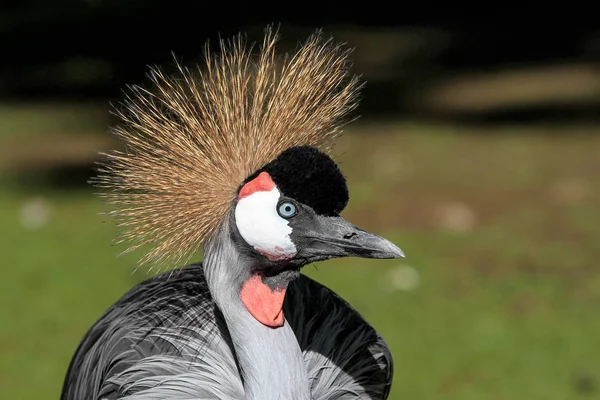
261,226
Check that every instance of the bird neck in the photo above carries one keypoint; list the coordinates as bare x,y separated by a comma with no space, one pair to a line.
270,359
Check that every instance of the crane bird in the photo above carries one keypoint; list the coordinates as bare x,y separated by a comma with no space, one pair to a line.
233,158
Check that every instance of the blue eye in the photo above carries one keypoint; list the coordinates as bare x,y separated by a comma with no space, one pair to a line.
286,209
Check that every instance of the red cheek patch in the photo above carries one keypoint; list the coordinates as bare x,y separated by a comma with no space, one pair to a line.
263,303
262,183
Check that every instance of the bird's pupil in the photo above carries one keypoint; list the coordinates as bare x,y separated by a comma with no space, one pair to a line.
288,208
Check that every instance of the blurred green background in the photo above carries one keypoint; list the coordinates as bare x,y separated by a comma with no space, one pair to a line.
478,153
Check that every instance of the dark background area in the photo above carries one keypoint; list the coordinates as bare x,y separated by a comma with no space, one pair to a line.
92,49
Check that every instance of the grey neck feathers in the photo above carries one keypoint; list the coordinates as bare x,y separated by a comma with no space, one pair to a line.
271,360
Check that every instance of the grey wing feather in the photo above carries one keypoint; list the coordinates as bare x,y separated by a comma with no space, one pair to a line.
346,358
163,339
166,339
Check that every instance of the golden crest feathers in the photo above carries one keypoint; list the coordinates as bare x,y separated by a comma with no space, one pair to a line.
193,138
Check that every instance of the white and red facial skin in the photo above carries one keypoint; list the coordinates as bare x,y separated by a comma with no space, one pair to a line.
268,233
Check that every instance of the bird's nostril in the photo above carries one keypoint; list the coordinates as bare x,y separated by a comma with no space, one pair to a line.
349,235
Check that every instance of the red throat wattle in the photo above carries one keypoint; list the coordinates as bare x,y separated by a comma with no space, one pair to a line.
262,302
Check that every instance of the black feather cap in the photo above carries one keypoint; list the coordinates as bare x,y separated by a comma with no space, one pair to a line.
308,175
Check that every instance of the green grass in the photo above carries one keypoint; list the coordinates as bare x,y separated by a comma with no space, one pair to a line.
502,229
19,121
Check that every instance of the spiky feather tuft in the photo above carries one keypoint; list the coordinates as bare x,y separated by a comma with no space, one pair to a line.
191,139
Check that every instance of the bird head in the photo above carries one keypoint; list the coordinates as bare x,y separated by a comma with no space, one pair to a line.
242,142
287,213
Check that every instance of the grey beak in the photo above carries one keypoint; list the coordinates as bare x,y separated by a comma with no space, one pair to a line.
334,237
